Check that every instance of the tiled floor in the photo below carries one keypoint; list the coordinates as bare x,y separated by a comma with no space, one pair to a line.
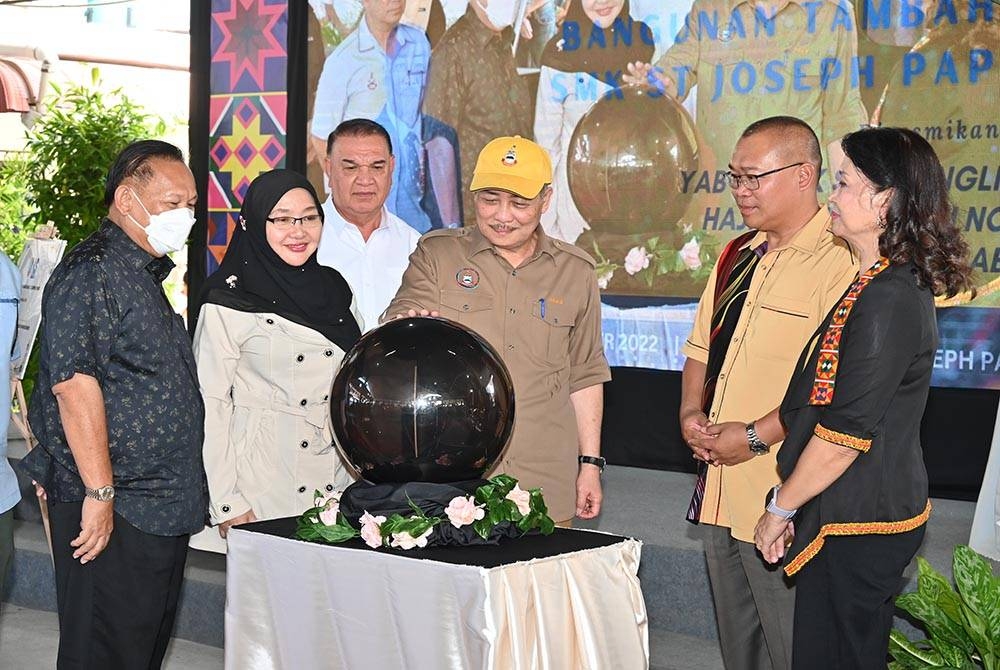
28,641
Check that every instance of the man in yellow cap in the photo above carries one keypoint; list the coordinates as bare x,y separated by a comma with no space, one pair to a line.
535,299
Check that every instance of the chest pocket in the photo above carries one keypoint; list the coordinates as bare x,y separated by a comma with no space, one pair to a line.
467,307
554,323
781,327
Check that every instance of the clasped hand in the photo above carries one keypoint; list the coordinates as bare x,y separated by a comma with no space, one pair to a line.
772,536
715,443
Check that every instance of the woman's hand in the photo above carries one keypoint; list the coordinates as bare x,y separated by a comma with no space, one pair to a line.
246,517
772,536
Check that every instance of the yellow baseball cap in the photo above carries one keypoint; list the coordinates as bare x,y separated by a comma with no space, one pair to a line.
512,164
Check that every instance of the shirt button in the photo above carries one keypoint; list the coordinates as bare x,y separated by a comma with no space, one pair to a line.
303,402
722,376
225,509
304,444
329,487
465,308
302,489
513,311
712,416
328,353
270,322
300,358
513,273
510,347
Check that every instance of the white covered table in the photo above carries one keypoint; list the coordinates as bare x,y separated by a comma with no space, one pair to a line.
568,600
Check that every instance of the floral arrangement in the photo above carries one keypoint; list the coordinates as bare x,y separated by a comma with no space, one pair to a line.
659,256
499,500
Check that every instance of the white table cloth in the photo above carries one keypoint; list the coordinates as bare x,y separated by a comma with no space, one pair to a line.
293,604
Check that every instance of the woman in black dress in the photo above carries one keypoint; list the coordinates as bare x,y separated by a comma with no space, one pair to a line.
851,463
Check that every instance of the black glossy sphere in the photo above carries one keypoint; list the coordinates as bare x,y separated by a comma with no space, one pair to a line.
422,399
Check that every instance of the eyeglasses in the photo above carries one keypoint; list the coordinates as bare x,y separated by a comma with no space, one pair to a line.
752,181
309,221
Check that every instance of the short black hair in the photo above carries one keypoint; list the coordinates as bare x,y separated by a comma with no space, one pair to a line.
358,128
133,161
798,133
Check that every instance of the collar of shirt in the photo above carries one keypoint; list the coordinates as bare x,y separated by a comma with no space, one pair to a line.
367,41
338,223
806,240
544,246
134,255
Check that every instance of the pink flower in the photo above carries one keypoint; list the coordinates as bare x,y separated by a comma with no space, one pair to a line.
404,540
636,260
520,498
691,254
371,531
329,515
463,510
604,279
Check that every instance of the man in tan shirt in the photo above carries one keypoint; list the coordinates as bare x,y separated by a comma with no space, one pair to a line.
746,340
535,299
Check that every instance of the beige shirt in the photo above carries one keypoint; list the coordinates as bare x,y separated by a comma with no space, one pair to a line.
792,290
268,439
543,318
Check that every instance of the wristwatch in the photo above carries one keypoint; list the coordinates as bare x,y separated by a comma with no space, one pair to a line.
102,494
773,508
757,445
599,461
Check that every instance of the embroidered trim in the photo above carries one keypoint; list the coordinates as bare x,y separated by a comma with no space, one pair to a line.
863,528
829,347
843,439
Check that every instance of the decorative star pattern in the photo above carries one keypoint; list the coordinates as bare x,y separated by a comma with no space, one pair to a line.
248,108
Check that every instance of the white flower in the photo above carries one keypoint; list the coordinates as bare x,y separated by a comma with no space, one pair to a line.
371,531
691,254
329,515
231,281
636,260
463,510
604,279
521,498
404,540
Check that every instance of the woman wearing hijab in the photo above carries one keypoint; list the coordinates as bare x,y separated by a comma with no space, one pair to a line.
580,65
271,334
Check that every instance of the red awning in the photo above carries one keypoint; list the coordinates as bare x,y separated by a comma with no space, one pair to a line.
18,84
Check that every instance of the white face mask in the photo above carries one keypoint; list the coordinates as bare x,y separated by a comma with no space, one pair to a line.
167,231
501,13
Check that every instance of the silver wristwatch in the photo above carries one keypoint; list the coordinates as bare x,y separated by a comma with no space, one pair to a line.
757,445
102,494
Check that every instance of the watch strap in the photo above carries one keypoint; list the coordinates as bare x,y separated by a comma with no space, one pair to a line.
773,508
757,445
599,461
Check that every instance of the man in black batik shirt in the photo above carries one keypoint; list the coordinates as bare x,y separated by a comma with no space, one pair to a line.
119,420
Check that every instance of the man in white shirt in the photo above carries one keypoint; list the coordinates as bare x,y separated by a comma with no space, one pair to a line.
361,239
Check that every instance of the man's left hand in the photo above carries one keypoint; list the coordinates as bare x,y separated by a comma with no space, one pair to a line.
97,520
730,446
588,492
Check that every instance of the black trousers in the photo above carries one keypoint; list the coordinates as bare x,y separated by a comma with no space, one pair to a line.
117,611
844,601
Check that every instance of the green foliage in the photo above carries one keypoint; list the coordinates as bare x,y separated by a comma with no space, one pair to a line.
963,625
69,150
14,226
492,497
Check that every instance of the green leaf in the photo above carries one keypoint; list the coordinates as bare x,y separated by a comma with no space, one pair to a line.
980,591
911,655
